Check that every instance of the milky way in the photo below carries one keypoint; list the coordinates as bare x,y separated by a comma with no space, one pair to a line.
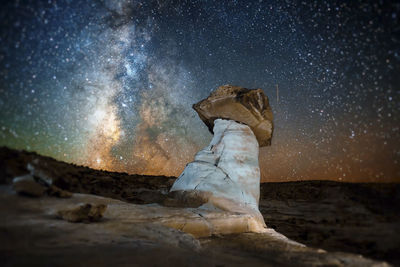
110,84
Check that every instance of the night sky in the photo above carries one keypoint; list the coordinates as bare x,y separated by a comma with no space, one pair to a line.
110,84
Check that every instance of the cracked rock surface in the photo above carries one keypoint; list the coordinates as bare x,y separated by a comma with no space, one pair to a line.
247,106
336,217
143,235
225,174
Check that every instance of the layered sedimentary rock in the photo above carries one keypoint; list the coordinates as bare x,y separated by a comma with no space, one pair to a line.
248,106
225,174
130,234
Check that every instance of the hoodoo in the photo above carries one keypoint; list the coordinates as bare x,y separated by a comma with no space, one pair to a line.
226,175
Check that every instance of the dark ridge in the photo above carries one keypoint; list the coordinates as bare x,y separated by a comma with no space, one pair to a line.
362,218
133,188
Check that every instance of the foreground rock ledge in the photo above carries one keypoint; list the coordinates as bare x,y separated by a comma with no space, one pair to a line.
136,235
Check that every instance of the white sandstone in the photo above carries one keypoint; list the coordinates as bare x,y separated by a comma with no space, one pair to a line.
226,172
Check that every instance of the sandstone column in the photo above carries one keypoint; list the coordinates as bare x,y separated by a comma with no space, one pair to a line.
225,175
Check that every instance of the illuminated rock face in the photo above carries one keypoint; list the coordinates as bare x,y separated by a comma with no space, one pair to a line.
226,173
248,106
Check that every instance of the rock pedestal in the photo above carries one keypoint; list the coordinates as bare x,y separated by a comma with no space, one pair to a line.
225,174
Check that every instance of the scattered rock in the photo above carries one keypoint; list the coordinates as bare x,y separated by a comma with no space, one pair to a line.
32,185
45,179
41,175
27,185
58,192
83,213
248,106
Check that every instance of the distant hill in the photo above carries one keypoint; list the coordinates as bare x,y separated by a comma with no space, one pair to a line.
79,179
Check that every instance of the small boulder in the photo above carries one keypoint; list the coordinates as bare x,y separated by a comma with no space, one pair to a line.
247,106
40,174
83,213
27,185
58,192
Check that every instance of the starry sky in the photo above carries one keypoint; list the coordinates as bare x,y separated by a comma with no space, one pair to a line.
110,84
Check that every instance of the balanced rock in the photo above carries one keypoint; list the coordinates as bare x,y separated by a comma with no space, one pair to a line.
27,185
248,106
225,175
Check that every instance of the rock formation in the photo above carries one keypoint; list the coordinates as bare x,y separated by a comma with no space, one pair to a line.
37,184
248,106
27,185
225,174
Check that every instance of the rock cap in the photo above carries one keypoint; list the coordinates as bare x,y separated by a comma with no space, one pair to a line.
247,106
